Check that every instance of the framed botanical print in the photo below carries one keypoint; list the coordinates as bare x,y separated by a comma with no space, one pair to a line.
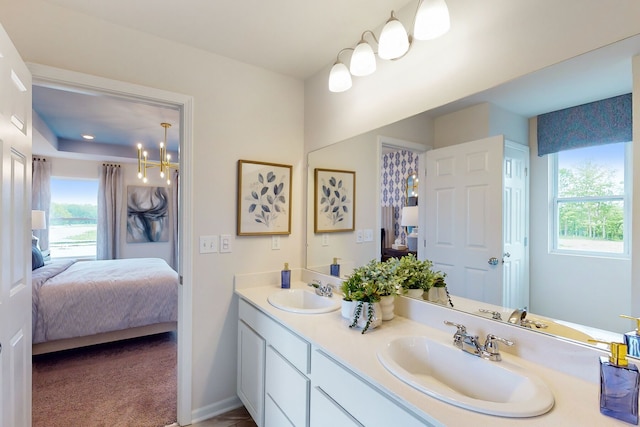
334,200
264,198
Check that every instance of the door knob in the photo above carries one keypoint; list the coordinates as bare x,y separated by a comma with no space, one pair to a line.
493,261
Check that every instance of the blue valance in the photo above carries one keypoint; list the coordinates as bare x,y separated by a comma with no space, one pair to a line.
601,122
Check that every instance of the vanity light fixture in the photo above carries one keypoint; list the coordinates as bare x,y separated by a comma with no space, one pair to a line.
164,164
430,21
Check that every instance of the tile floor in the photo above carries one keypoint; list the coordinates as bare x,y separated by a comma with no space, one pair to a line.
236,418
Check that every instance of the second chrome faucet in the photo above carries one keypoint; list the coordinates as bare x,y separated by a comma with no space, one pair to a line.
471,343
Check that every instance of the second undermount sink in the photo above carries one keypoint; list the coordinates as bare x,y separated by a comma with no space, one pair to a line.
453,376
303,301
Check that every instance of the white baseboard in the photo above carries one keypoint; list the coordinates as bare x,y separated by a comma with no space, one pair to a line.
214,409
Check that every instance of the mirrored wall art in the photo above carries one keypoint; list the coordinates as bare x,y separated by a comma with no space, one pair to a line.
334,195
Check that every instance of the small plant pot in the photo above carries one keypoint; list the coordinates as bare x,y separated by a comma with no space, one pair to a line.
349,310
415,293
387,306
438,295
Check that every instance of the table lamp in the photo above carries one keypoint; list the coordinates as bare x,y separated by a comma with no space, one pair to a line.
38,222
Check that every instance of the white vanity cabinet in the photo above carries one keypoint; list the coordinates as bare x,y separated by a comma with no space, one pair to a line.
349,400
283,382
273,364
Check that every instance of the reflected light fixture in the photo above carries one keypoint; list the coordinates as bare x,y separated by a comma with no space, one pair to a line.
164,164
38,222
430,21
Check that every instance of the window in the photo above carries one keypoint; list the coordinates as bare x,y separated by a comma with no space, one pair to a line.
73,218
590,200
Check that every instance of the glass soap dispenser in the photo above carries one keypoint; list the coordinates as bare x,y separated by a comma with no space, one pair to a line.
619,384
334,269
285,277
632,338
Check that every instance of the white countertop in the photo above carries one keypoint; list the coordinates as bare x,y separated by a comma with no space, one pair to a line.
576,400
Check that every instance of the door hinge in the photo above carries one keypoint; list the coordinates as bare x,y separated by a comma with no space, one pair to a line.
526,171
181,279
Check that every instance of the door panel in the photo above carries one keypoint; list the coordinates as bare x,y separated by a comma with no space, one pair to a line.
15,224
464,223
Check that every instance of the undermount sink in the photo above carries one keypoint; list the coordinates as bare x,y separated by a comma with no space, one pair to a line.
458,378
303,301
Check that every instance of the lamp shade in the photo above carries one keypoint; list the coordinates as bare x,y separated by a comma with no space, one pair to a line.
394,40
409,216
432,20
363,60
38,220
339,78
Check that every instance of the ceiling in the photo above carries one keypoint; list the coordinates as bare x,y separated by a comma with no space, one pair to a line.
296,38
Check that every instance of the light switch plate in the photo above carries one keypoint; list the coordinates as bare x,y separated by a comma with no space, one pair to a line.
325,239
275,243
359,236
226,243
208,244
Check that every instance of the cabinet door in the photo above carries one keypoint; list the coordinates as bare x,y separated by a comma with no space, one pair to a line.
325,412
288,389
273,416
251,363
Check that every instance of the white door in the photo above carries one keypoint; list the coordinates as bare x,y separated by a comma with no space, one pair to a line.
515,207
15,241
464,217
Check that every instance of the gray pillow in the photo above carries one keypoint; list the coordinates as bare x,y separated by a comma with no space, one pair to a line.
36,258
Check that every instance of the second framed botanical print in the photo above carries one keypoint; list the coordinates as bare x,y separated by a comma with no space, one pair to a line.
334,200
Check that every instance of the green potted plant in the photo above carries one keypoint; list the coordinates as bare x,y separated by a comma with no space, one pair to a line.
415,276
438,292
364,289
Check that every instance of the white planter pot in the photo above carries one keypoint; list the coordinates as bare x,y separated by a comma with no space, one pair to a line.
438,295
387,305
415,293
349,308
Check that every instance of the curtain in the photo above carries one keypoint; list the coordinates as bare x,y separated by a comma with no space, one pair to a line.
41,195
109,212
175,202
601,122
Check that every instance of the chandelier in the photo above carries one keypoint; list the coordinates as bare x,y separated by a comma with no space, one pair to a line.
430,21
164,164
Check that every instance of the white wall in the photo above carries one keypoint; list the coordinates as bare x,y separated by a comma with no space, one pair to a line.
240,112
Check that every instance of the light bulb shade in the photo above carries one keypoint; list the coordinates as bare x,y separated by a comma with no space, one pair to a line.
363,60
432,20
394,40
409,216
339,78
38,220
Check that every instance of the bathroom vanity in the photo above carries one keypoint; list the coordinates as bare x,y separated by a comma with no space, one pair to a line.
297,369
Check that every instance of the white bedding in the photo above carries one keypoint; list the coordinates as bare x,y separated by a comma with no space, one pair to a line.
74,299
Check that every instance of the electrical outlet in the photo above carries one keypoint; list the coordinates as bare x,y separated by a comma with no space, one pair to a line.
359,236
275,243
225,243
325,239
208,244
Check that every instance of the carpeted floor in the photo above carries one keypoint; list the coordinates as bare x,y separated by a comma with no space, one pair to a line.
126,384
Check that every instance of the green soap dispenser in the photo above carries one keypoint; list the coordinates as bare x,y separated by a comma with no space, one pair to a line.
632,338
334,268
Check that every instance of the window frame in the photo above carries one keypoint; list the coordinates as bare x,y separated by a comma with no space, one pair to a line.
555,201
77,257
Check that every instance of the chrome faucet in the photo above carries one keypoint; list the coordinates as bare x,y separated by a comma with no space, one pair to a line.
322,290
471,344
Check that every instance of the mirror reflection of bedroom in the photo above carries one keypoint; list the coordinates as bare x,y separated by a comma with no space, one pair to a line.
105,257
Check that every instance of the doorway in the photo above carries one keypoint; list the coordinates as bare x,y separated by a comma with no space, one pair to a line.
53,77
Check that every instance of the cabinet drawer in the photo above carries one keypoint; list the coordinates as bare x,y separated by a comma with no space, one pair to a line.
289,345
371,408
325,412
288,389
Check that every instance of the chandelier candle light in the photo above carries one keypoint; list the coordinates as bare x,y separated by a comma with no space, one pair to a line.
164,164
430,21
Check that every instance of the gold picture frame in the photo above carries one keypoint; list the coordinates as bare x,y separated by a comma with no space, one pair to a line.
334,200
264,198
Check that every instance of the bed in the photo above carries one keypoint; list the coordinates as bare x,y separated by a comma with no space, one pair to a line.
80,303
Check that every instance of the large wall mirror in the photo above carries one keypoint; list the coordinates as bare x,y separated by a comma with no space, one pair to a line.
554,292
